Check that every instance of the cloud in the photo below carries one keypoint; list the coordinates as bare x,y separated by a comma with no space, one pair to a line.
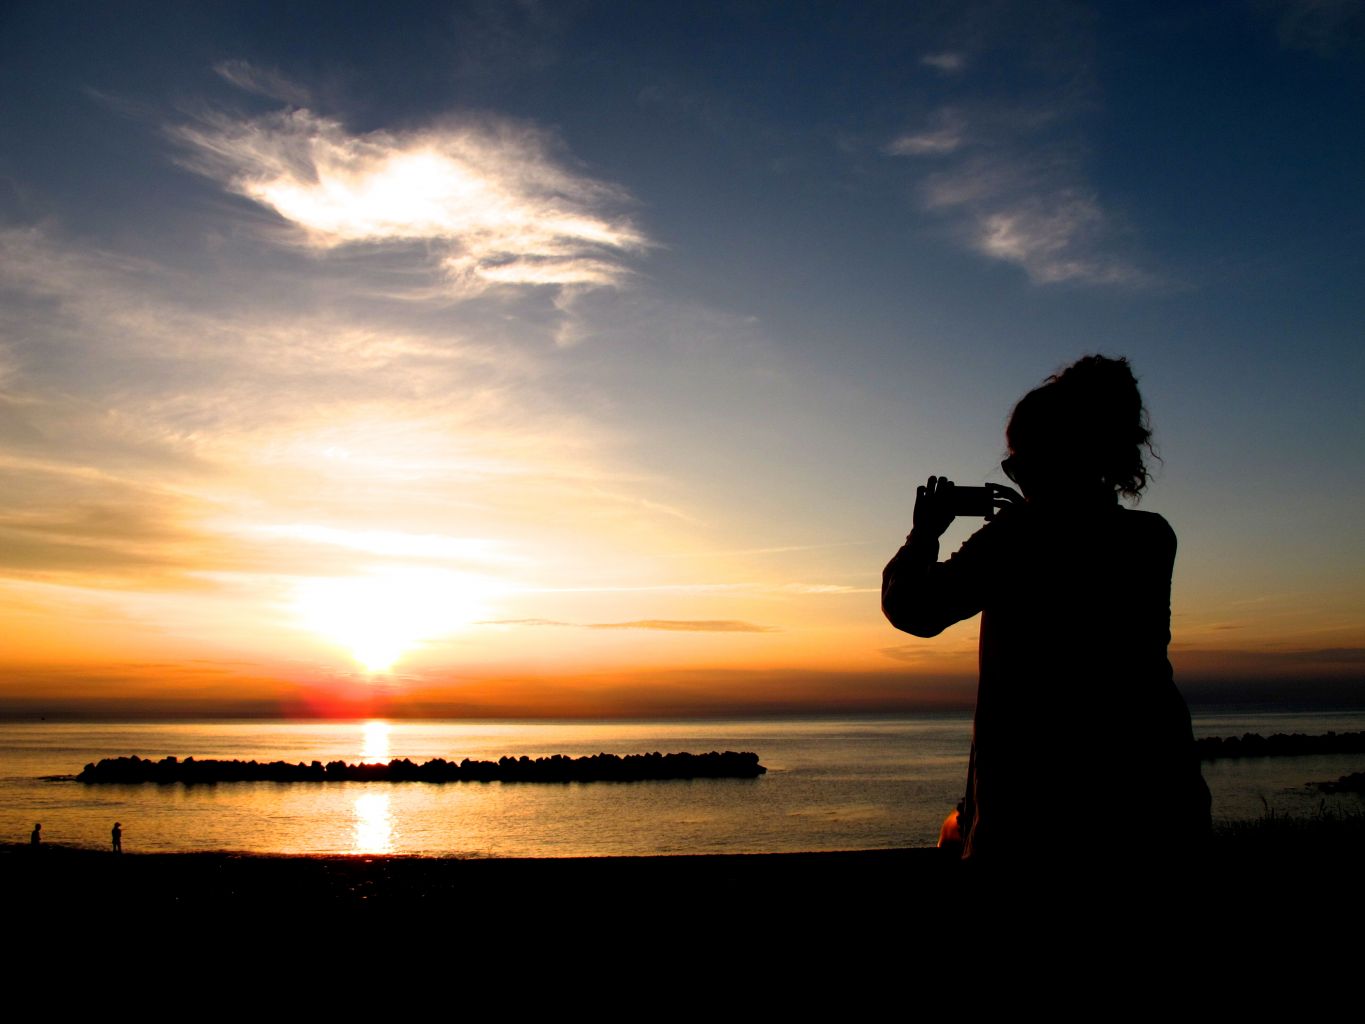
664,625
394,543
1054,237
687,626
1331,656
947,62
1326,655
828,588
1000,159
1283,661
162,427
748,586
58,527
262,82
946,133
488,198
1012,194
522,622
920,654
905,652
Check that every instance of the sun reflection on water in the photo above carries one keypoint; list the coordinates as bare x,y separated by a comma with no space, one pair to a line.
375,742
373,824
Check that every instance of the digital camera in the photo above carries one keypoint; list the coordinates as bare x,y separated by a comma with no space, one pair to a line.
973,501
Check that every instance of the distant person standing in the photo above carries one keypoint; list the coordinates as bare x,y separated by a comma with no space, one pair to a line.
116,837
36,836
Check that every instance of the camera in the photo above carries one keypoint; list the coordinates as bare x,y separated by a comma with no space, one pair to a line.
973,501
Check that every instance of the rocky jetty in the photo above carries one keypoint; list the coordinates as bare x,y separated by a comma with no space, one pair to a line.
558,768
1280,745
1353,783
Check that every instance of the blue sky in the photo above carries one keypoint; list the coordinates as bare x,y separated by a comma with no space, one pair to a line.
650,317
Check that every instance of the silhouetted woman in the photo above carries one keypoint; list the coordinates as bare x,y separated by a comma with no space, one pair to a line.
1081,743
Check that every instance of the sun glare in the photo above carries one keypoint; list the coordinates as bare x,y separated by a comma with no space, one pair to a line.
373,824
375,741
382,617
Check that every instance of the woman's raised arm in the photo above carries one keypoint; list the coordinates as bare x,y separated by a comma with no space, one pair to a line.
921,595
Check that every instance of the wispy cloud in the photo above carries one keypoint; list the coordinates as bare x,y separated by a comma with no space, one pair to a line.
156,429
1000,159
828,588
59,526
270,459
933,657
663,625
1013,192
1329,655
687,626
262,81
947,62
1295,663
490,198
749,587
945,133
1055,237
523,622
395,543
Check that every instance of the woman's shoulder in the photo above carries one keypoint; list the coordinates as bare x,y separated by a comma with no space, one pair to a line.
1150,526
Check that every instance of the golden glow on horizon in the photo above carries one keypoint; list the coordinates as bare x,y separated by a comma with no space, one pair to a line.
447,514
381,617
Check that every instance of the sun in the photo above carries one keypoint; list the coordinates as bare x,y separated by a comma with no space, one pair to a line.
381,617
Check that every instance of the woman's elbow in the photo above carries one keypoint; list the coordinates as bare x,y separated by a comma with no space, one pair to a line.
911,620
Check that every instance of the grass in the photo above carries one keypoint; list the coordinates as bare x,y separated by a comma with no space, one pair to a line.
1324,828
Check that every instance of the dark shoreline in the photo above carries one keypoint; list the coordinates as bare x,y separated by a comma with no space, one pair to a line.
66,879
1315,858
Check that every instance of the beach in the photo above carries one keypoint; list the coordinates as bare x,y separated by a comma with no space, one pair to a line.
70,878
836,934
1311,861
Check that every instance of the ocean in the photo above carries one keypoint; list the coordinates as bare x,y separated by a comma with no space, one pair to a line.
833,784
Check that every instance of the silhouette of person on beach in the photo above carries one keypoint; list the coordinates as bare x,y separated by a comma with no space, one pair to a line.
1077,714
36,836
116,837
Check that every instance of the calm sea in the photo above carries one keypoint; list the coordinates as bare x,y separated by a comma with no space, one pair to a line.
840,784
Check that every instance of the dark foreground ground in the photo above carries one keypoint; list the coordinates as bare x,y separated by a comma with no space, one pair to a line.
78,880
1300,861
839,936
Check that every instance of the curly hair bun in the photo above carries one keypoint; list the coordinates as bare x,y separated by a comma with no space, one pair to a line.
1088,419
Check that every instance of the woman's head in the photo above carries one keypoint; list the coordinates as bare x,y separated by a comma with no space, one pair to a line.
1081,433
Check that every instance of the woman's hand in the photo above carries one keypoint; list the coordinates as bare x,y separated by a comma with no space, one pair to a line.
934,507
1003,497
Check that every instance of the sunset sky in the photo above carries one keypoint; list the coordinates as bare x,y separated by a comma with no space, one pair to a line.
536,359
